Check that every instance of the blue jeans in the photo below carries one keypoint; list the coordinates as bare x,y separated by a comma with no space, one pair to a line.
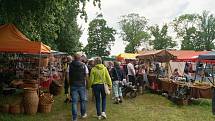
117,90
75,93
99,92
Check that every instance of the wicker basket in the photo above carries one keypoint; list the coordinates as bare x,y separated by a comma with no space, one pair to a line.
15,109
45,108
46,98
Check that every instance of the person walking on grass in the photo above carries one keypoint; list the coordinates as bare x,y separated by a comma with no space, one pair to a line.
117,77
78,74
131,72
98,76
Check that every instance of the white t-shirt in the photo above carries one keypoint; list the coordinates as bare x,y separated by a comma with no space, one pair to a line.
131,70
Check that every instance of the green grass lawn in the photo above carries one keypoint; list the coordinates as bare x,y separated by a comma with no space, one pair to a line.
147,107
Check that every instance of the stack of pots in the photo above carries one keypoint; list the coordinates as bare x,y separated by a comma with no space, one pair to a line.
30,101
45,103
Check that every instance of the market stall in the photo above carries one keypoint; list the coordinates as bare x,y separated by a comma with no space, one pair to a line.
21,62
180,89
156,58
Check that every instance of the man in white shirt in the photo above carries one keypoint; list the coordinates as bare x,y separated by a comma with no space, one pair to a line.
131,72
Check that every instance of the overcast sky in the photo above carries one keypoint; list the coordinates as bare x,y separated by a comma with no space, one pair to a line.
157,11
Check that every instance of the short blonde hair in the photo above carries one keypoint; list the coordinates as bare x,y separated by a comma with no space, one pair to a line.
98,60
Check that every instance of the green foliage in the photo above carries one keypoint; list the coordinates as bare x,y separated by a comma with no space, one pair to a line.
100,39
196,31
133,30
186,26
207,31
160,38
46,20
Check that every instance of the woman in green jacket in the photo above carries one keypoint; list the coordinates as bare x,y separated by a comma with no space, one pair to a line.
98,76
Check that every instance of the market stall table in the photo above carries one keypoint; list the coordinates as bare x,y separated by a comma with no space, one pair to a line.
196,91
169,86
205,92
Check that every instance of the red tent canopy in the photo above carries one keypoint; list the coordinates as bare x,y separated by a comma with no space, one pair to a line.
187,55
12,40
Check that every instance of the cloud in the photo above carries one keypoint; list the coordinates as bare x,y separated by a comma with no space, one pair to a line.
157,11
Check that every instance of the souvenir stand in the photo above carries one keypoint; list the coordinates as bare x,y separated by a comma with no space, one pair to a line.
21,66
156,56
181,91
199,88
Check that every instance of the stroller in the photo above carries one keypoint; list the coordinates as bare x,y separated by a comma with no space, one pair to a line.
129,89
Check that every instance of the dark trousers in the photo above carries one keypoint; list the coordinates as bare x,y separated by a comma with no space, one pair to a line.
131,79
99,92
66,87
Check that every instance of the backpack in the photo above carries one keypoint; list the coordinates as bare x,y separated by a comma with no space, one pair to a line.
77,73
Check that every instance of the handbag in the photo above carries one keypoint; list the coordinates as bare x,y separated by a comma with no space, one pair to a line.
106,88
107,91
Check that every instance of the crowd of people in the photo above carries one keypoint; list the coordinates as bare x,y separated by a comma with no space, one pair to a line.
81,75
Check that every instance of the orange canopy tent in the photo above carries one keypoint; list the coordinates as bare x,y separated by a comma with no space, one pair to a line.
12,40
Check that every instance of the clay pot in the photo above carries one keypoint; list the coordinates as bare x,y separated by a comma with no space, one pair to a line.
30,101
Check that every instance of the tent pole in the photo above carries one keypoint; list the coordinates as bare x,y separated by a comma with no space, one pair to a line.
204,72
213,73
39,73
196,73
170,69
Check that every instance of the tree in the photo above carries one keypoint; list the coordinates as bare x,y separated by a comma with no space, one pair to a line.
133,30
207,31
186,27
100,39
160,38
46,20
197,31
